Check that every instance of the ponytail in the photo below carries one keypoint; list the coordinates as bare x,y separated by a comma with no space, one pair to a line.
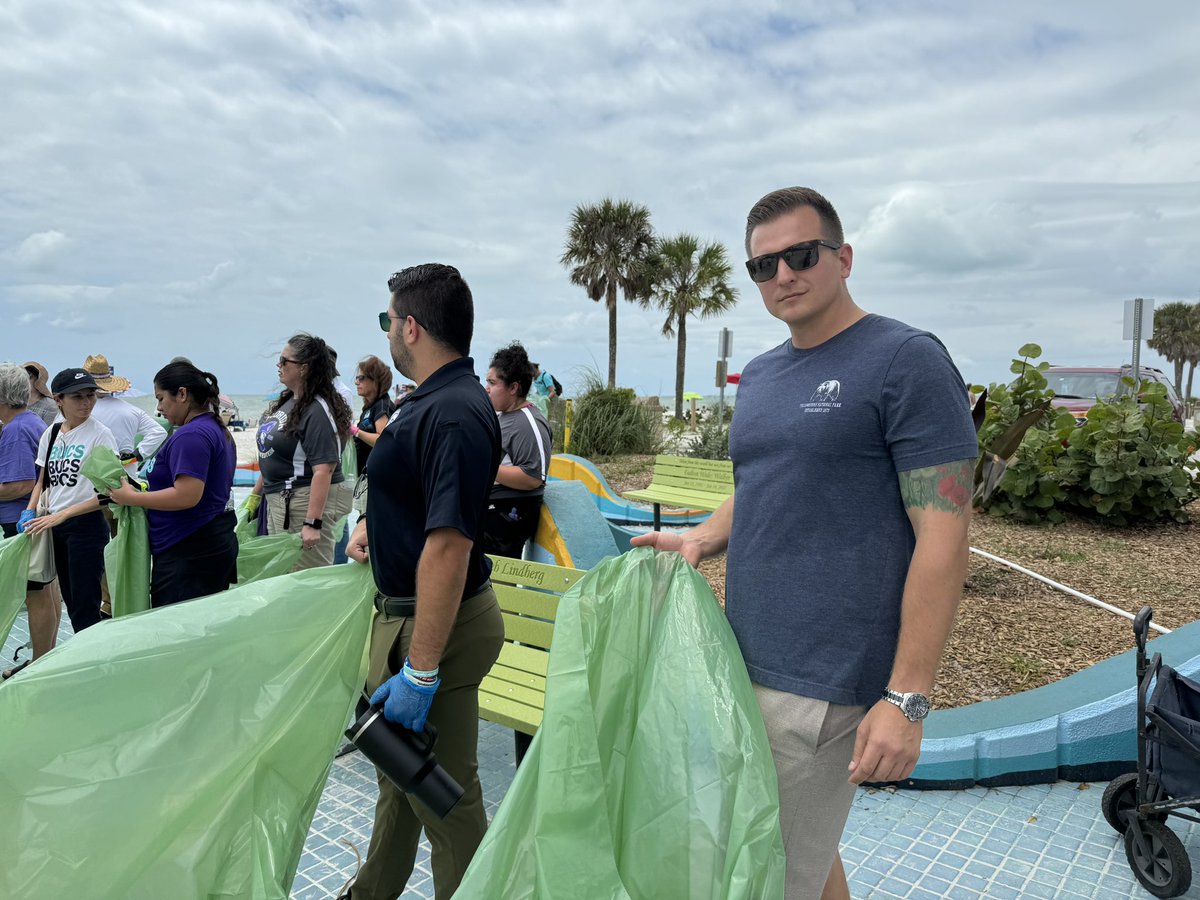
203,390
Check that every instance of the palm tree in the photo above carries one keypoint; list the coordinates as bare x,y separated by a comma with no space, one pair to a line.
1192,356
608,247
689,280
1175,333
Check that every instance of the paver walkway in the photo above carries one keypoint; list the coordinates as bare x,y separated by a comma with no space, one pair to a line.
1041,841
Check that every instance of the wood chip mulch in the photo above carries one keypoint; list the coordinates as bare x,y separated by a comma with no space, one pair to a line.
1014,633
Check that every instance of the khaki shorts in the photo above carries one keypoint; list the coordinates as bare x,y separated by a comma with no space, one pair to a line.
812,742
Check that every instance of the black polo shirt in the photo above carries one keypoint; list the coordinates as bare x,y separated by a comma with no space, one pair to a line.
432,467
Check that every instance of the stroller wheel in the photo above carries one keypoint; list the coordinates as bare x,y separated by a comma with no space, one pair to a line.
1119,803
1157,858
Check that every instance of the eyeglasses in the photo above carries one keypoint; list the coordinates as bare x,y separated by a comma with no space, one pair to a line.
359,378
284,361
798,258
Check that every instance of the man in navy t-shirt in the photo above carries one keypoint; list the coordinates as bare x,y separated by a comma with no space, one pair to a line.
853,453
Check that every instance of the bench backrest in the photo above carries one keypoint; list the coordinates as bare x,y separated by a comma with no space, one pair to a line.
514,691
712,476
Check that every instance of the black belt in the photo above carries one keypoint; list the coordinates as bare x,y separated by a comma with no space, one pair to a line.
396,607
402,607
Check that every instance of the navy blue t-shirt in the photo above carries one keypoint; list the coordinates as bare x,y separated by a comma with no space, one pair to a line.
432,467
821,542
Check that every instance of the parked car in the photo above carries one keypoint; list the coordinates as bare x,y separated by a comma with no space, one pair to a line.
1076,388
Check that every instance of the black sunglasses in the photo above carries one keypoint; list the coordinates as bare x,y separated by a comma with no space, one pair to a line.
799,257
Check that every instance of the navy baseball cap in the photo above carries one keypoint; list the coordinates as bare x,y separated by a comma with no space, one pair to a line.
71,381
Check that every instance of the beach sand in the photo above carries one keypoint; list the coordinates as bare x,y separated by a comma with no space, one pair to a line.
247,450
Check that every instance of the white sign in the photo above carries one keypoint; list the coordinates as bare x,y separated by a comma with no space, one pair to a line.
1147,307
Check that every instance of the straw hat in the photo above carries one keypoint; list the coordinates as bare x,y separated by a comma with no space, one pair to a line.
97,366
38,381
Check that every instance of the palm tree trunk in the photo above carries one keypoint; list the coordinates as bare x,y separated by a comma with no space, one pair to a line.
1187,397
680,357
1178,375
611,300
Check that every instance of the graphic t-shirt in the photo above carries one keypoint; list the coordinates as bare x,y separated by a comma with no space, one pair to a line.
286,462
18,448
525,442
821,542
65,485
366,422
201,449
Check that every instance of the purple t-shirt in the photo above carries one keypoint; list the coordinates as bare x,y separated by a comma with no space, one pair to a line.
201,449
18,450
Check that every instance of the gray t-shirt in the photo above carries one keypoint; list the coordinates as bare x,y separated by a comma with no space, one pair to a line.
522,445
285,462
821,543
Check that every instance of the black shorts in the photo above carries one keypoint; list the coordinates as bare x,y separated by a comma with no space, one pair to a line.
508,523
10,530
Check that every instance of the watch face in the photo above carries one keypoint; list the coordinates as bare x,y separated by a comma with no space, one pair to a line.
916,706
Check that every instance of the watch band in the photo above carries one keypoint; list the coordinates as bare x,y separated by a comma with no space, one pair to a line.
314,523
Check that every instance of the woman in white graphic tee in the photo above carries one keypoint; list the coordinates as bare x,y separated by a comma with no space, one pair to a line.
71,508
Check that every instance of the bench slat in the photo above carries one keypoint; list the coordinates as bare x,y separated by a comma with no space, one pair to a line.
532,574
689,500
526,659
528,631
510,691
526,602
519,677
509,713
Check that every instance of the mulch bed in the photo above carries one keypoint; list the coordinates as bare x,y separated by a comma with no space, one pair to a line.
1014,633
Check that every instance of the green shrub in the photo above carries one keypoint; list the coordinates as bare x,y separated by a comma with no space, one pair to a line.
713,440
1128,462
611,421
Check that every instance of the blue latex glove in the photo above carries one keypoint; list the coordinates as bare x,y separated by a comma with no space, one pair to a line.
406,697
27,515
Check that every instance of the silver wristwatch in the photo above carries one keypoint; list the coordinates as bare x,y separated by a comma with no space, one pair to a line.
914,706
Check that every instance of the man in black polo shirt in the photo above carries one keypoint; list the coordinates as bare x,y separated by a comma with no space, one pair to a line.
437,628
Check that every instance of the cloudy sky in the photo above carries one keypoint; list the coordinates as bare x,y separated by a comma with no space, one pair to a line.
207,178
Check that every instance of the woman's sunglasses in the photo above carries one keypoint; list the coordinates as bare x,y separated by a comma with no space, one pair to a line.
798,258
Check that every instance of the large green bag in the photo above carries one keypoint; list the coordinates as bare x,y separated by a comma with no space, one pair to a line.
651,775
127,556
263,556
14,573
181,754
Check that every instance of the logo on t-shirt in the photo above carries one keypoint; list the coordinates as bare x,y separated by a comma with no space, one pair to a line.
825,398
827,390
266,433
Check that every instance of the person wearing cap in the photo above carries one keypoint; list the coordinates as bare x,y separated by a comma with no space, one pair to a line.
72,507
121,417
41,403
18,473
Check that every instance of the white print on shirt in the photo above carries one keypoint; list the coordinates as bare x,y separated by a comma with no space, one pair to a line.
827,390
824,398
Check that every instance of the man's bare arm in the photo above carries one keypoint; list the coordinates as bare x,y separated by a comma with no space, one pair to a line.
938,502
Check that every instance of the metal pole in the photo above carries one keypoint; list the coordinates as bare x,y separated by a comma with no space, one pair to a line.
1137,344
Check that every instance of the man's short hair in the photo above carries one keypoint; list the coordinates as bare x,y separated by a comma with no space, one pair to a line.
440,300
783,201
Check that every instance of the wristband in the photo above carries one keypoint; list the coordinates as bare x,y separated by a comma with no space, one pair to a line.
314,523
417,676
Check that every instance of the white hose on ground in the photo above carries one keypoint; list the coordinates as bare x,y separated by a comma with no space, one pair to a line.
1066,590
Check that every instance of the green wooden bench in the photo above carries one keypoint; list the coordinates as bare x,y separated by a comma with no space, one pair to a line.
686,483
513,693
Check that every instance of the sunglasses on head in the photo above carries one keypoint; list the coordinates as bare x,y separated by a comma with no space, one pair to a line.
798,258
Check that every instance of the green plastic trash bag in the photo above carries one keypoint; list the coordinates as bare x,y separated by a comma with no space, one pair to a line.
651,775
349,461
14,572
127,556
267,556
180,754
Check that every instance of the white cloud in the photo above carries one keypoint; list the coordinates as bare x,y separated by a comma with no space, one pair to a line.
231,172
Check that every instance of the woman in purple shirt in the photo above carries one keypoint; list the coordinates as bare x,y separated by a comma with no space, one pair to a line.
191,526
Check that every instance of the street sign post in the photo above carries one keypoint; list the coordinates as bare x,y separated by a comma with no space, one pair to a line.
1139,326
724,351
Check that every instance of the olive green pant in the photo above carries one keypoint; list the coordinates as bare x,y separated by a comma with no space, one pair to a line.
472,649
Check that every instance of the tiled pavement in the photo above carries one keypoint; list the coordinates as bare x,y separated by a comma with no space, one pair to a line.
1043,841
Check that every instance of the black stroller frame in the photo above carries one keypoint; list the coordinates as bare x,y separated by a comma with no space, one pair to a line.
1137,804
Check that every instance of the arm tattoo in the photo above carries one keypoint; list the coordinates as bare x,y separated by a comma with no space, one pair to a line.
946,487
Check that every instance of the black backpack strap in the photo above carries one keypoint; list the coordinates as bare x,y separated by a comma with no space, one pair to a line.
54,430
